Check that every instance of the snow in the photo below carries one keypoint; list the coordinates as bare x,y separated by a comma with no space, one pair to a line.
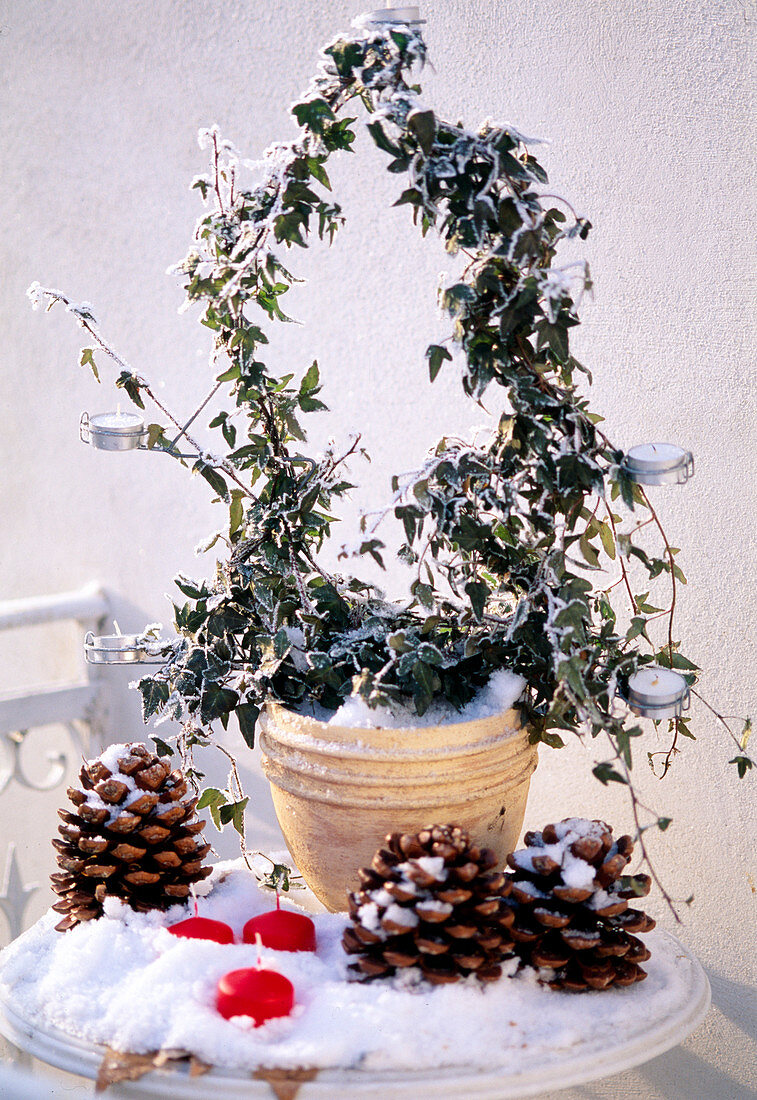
502,691
124,980
432,865
403,918
109,759
577,873
532,889
433,905
572,828
368,915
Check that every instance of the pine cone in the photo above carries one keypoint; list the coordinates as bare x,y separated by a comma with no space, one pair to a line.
570,906
430,900
130,836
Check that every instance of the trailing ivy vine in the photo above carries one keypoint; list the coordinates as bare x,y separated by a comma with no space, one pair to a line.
500,536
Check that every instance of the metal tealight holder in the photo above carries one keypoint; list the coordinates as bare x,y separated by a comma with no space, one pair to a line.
114,431
120,649
124,431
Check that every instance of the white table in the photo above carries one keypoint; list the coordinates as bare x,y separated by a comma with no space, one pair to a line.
586,1061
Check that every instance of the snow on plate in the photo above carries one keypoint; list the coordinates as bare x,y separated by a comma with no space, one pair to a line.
126,982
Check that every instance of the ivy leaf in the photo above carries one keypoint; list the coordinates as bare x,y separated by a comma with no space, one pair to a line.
478,593
591,557
310,379
212,799
189,588
234,812
679,661
556,337
130,383
247,716
154,696
411,196
236,511
318,172
216,701
605,773
380,137
627,488
422,123
743,764
637,628
87,360
608,542
201,184
436,355
213,478
456,298
310,404
746,734
424,594
162,748
313,114
154,435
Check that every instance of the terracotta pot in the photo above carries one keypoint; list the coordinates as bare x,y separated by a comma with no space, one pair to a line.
338,791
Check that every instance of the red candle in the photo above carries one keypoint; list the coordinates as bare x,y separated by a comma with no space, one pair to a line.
202,928
260,994
281,930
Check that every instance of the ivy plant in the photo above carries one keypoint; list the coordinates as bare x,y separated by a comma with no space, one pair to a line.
502,537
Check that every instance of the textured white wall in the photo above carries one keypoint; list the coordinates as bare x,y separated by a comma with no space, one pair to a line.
647,106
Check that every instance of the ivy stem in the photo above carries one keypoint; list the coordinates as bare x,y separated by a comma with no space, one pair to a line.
237,792
216,174
673,594
636,806
721,718
621,559
669,553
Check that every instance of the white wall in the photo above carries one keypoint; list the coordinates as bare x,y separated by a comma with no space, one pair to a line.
647,106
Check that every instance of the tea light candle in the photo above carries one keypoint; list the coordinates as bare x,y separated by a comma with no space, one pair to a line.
656,692
114,431
113,649
259,994
281,930
659,464
407,16
202,928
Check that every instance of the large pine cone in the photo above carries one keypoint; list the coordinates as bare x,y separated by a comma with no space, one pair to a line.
132,835
570,904
430,900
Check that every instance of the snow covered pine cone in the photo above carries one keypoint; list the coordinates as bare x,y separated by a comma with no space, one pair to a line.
430,900
131,835
570,906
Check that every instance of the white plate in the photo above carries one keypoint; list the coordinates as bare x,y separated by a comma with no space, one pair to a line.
588,1060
